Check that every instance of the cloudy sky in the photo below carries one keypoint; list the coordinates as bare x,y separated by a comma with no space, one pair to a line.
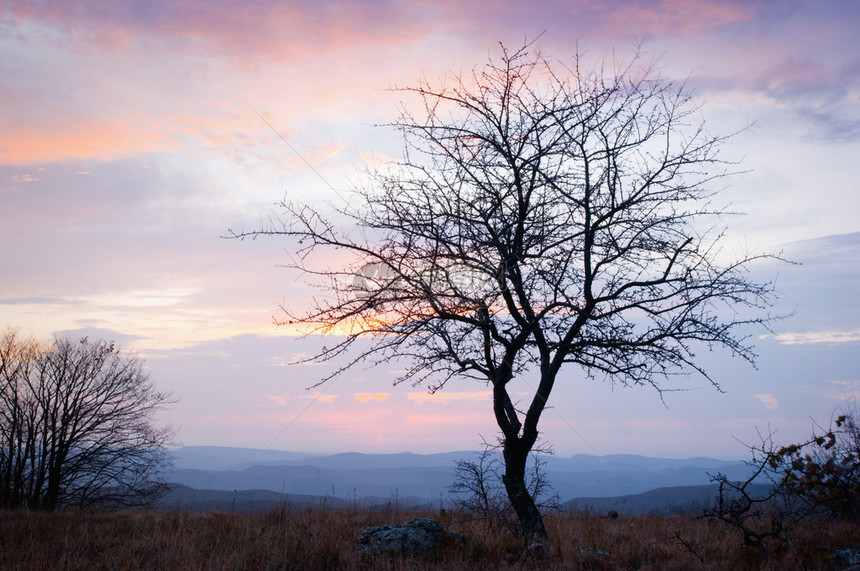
134,134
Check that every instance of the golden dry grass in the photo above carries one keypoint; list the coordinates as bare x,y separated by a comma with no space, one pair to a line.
324,539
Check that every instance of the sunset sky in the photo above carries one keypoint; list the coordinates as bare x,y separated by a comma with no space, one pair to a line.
131,141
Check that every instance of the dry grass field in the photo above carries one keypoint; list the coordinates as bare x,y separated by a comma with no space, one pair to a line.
323,538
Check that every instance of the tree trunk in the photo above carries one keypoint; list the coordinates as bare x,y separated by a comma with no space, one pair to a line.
516,454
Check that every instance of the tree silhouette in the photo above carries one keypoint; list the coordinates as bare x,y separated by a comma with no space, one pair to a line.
541,217
76,426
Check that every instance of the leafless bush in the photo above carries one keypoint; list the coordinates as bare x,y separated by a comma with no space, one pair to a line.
790,484
479,489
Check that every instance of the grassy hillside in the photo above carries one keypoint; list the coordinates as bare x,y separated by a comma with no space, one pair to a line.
322,538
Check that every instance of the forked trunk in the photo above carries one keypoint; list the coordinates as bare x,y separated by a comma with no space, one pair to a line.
516,457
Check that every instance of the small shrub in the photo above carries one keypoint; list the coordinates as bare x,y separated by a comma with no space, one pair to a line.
479,490
792,484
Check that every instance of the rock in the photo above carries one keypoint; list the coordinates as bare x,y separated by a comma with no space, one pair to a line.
847,556
589,550
535,553
416,538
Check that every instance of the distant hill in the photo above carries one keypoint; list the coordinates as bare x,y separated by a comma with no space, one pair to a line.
585,475
228,458
677,499
316,481
427,476
668,500
184,498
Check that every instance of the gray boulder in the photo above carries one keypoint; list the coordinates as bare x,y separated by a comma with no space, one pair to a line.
849,557
416,538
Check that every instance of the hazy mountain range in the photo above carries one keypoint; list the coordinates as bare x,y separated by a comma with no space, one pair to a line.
211,477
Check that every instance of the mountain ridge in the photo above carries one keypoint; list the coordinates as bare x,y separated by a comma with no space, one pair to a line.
356,475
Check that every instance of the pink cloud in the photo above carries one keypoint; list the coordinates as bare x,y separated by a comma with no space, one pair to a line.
567,22
23,178
322,398
268,28
368,397
106,140
846,391
445,397
683,17
272,30
280,401
453,421
768,400
202,68
791,76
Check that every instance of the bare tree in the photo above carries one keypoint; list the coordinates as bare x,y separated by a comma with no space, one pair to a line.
542,216
18,414
76,425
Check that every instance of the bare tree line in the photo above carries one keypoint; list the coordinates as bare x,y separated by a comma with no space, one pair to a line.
76,425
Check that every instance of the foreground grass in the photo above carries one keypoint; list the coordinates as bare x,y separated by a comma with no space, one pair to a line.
323,539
